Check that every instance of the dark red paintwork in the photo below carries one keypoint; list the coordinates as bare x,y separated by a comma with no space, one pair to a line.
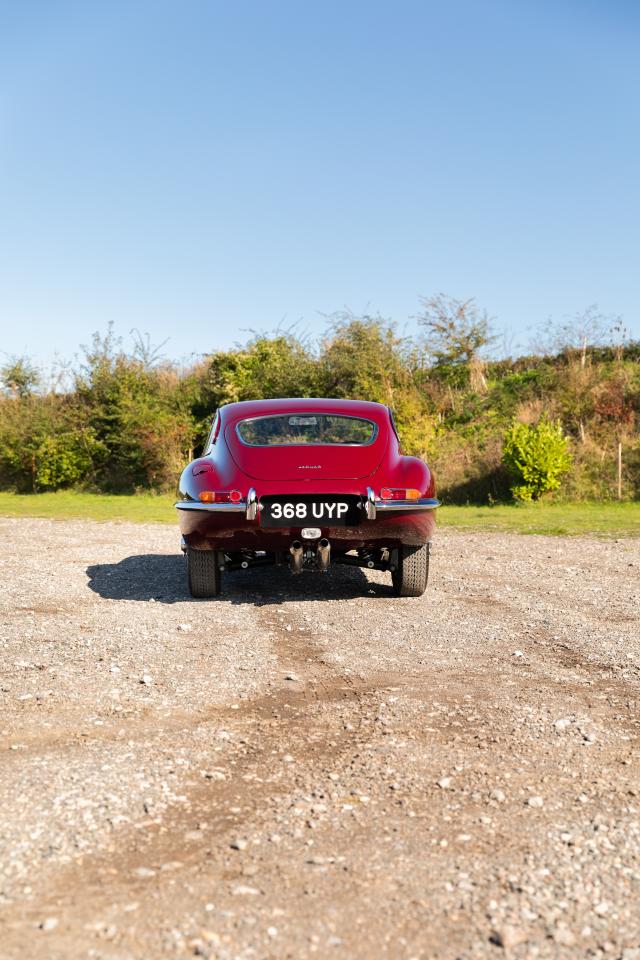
304,469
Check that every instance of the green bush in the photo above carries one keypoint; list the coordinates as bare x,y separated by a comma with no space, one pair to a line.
64,459
536,457
137,415
44,444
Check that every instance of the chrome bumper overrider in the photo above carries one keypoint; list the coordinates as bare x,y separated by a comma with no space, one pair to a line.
250,506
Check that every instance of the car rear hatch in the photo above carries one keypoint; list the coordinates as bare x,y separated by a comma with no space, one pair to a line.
305,462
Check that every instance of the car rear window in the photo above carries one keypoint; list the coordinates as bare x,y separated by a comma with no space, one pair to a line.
304,429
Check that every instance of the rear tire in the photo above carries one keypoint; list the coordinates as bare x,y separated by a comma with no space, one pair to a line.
203,573
410,578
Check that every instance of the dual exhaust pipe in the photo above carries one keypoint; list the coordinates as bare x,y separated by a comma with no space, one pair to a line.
322,555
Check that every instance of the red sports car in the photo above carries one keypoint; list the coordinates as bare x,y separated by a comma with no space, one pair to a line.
306,483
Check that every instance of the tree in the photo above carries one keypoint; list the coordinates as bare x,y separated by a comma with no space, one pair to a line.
136,414
147,353
19,377
456,333
45,443
363,358
571,341
268,366
574,335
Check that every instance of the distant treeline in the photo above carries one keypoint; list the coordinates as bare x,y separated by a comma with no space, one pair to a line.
127,420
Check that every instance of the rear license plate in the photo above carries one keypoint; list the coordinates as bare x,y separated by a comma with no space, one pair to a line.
302,511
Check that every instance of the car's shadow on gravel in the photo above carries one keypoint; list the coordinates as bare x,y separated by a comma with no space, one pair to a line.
163,578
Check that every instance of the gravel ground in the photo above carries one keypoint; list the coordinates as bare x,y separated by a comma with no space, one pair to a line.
311,767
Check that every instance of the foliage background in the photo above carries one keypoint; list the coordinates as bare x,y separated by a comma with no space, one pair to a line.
128,420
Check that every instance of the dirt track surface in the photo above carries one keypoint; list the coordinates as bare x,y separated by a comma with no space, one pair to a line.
311,767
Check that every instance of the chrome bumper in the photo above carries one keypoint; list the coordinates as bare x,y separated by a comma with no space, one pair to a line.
239,507
250,506
426,503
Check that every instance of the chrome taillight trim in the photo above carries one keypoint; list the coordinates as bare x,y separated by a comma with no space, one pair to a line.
249,506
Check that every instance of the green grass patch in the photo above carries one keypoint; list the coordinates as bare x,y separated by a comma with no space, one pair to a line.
556,519
69,504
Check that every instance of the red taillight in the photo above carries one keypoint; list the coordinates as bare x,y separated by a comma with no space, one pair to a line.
399,493
220,496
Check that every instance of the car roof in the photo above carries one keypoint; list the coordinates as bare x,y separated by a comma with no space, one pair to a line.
260,408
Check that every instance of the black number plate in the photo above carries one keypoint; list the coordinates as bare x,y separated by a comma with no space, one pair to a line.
310,511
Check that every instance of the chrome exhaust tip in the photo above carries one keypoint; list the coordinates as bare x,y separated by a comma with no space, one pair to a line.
323,554
297,556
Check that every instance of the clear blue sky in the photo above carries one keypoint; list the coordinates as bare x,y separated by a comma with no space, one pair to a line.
198,168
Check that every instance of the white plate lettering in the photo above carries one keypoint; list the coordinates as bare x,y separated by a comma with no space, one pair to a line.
300,511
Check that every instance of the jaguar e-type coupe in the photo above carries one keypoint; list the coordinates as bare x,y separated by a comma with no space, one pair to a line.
306,483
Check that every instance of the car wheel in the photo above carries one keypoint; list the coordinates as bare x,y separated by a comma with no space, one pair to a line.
410,577
203,573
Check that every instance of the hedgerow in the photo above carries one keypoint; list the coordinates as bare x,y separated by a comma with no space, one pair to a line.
128,420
